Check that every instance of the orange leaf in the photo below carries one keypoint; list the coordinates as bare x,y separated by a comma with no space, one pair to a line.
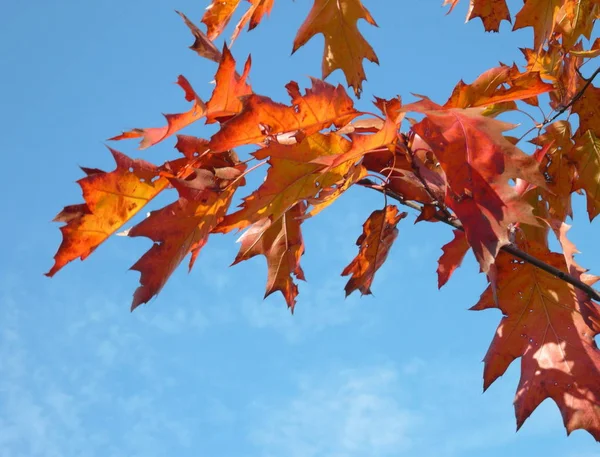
553,332
282,245
175,122
491,12
587,107
542,16
453,255
489,88
587,158
555,157
225,101
379,233
111,199
219,13
262,119
345,47
180,228
290,179
217,16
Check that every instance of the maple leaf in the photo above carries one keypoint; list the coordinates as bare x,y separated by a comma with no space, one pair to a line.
262,119
280,241
552,330
587,157
225,100
542,16
345,47
202,44
175,122
491,12
181,227
453,255
379,233
291,178
478,162
111,199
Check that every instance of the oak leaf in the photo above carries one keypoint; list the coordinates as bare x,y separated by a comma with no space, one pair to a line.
542,15
280,241
379,233
111,199
558,167
292,178
552,330
181,228
587,158
453,255
587,107
175,122
491,12
262,119
225,100
203,46
345,47
478,163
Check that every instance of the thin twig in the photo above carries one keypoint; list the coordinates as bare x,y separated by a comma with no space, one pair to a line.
510,248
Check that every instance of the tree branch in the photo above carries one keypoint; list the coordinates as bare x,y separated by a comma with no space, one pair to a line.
510,249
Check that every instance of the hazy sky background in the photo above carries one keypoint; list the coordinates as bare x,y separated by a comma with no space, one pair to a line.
208,368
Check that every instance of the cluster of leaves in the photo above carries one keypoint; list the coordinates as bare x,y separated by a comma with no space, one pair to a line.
454,165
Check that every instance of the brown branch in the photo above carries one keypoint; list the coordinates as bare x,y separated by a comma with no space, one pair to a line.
510,249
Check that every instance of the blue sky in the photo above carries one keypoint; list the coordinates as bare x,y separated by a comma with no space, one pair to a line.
208,368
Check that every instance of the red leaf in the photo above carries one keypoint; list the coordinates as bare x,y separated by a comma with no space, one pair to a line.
282,245
454,253
379,232
175,122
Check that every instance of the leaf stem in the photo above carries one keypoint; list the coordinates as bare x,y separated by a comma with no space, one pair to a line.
510,248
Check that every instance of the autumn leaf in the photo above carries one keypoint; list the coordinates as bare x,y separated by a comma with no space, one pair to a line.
491,12
478,163
345,47
363,144
261,118
225,100
453,255
217,16
219,13
202,44
576,19
489,89
181,228
587,158
558,167
281,243
553,332
587,107
379,233
542,16
291,178
175,122
111,199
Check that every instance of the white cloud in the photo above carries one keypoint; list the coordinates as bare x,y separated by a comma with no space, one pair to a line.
348,413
